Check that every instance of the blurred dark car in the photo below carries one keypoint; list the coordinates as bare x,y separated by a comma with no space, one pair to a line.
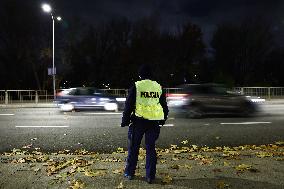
88,98
197,100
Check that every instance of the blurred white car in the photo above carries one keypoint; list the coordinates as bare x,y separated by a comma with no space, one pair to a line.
88,98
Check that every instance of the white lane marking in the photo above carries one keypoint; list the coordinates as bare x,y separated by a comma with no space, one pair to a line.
106,113
171,118
7,114
41,126
168,125
245,123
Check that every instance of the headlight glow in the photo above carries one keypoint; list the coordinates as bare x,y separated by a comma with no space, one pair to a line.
104,99
111,106
120,99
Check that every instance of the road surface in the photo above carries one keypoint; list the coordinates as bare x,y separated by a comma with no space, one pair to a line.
51,130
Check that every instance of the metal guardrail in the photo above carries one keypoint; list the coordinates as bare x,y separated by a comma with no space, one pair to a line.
264,92
118,92
27,96
43,96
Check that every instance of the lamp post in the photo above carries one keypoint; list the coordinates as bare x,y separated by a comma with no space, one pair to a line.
47,8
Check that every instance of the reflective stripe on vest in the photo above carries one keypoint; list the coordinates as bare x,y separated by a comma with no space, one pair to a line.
147,100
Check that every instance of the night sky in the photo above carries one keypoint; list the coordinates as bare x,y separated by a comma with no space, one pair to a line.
205,13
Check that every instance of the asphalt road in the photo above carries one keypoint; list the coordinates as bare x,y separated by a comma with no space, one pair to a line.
51,130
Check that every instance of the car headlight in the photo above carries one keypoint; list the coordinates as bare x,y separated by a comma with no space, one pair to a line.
255,99
104,99
67,107
120,99
111,106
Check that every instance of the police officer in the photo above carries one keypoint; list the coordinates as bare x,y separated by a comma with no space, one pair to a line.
145,109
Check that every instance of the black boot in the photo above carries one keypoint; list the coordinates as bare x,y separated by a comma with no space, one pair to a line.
149,180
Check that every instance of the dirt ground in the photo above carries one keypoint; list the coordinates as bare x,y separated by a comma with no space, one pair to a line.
183,166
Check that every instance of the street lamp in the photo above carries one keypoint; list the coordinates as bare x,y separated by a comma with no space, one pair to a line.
47,8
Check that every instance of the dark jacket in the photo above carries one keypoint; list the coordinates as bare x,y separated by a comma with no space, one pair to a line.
129,109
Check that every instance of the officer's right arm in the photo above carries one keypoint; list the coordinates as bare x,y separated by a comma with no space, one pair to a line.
129,107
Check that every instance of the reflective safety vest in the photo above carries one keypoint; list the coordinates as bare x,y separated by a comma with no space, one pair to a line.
148,93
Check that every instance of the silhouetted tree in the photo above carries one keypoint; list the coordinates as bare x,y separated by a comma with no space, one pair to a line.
274,67
92,55
241,52
20,45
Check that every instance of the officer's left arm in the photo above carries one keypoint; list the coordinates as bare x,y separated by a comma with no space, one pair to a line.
129,107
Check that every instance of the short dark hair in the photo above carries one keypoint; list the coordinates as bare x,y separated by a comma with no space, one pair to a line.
145,71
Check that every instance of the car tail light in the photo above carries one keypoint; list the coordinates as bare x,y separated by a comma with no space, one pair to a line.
59,93
178,96
63,92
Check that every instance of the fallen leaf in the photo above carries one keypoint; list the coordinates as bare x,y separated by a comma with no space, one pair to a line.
206,161
175,167
111,160
120,186
178,151
173,147
280,143
226,163
264,154
222,185
188,166
54,166
195,147
167,179
167,151
118,171
14,161
72,170
206,149
77,184
163,161
141,157
226,148
137,174
37,153
36,170
230,153
90,173
120,150
185,142
80,162
175,158
243,167
21,160
18,152
218,148
27,146
81,169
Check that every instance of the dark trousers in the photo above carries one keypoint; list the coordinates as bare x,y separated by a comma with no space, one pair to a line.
136,131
